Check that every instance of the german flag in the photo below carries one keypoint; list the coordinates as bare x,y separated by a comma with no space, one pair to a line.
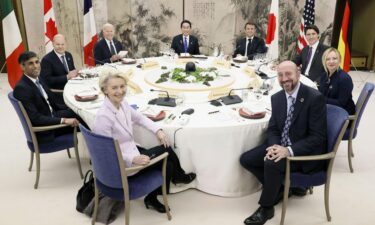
343,46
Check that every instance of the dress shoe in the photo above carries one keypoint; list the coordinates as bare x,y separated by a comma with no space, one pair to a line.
298,191
153,202
260,216
184,179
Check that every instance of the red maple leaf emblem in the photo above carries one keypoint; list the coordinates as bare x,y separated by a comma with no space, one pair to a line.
51,29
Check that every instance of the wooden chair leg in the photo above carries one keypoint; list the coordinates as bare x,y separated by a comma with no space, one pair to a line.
311,190
77,154
37,156
350,155
68,153
127,213
285,204
326,201
31,161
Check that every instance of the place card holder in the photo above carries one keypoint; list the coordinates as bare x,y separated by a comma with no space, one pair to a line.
183,60
134,87
150,65
129,74
249,71
218,93
221,63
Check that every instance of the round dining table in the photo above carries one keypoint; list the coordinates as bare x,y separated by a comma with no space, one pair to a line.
208,142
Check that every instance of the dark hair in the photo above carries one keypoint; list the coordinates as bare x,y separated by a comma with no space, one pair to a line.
25,56
186,21
312,27
250,23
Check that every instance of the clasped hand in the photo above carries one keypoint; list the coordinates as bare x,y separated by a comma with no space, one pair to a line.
276,153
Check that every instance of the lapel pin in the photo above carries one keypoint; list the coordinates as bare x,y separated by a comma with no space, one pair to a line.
302,99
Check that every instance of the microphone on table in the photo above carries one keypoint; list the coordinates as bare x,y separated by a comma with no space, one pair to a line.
260,73
103,63
163,101
232,99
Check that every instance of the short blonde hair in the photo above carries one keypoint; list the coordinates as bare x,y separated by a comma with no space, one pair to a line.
325,54
104,78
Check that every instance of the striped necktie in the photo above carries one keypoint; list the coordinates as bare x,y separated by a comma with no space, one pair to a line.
285,140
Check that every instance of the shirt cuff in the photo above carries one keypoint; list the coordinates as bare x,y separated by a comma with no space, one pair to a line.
62,121
290,151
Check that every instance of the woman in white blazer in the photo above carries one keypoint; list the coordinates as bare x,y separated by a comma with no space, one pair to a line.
115,119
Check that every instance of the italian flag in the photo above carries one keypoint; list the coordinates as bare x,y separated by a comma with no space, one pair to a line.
12,42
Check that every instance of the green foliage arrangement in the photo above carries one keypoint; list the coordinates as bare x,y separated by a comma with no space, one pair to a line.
200,75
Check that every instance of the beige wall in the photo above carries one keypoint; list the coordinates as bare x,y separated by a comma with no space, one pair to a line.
363,38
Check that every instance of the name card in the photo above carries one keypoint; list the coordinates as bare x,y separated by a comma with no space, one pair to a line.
215,94
134,87
150,65
221,63
129,74
184,60
249,71
256,82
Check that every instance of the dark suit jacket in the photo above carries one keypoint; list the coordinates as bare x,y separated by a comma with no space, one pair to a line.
37,107
308,130
178,45
316,69
102,53
257,46
338,90
53,72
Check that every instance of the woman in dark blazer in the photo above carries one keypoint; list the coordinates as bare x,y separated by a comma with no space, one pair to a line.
115,119
335,83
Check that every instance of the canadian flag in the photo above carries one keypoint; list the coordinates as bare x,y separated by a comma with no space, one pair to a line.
50,29
89,34
272,38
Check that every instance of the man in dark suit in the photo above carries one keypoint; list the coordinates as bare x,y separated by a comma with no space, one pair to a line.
297,127
185,43
58,65
250,45
39,102
107,49
310,58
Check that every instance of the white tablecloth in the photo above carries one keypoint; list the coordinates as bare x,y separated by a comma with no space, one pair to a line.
210,144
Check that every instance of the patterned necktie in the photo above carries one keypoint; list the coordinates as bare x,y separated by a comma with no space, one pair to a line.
64,63
39,86
285,140
185,45
112,49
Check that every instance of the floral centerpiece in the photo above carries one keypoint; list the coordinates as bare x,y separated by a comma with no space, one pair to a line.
200,75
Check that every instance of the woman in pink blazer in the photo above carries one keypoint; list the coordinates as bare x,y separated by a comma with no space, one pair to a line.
115,119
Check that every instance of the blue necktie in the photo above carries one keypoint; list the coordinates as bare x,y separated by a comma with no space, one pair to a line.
185,45
285,140
112,49
39,86
64,63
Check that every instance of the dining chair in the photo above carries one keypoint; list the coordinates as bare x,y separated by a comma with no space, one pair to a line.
351,132
111,175
58,144
337,122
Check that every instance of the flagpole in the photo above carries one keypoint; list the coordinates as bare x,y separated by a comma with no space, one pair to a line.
79,7
3,66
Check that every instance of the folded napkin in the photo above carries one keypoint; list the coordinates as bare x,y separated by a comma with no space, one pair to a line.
87,93
149,111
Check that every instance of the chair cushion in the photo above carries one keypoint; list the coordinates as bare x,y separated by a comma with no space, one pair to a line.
138,186
308,180
59,143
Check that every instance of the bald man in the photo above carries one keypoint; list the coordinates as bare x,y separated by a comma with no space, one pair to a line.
57,67
108,48
297,127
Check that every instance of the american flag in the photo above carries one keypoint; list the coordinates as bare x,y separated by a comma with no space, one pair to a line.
307,19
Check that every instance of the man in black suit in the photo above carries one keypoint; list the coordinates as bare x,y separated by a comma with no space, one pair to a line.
310,58
250,45
107,49
39,102
297,127
58,65
185,43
